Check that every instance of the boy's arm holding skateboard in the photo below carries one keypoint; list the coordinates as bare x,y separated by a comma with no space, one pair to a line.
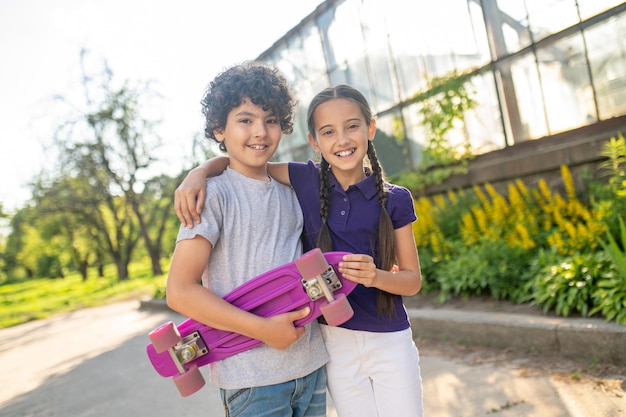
187,296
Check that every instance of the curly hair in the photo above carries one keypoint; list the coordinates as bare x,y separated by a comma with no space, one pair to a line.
264,85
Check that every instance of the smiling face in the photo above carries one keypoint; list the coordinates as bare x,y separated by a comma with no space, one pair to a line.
341,136
251,136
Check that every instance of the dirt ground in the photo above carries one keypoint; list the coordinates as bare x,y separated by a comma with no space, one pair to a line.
608,377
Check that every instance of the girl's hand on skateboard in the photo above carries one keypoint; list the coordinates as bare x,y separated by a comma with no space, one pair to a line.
281,332
189,198
360,269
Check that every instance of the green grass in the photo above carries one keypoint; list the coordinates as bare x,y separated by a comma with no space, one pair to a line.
40,298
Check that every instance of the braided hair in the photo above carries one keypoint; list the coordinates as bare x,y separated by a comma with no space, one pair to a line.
385,233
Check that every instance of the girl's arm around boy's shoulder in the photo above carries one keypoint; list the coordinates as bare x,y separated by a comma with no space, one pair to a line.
187,296
293,172
279,171
190,194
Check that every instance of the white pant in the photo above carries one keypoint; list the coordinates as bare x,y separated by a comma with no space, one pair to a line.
373,374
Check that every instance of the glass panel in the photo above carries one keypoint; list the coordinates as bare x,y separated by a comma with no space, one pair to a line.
310,68
345,33
384,93
529,99
565,84
482,130
482,54
383,83
411,75
460,43
511,20
590,8
339,75
606,43
423,45
484,123
405,40
389,144
308,55
550,16
285,59
414,133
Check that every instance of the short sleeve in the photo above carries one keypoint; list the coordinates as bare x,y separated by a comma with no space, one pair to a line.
211,216
401,206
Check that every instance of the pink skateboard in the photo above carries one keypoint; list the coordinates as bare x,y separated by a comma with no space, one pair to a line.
311,280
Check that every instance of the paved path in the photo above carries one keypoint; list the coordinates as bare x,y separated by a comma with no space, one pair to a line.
92,363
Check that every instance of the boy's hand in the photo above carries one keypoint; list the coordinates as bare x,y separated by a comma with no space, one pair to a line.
189,198
359,268
281,330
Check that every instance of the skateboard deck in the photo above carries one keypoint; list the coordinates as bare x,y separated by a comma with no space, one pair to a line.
312,280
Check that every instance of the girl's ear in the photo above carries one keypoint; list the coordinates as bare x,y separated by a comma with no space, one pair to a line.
313,143
371,130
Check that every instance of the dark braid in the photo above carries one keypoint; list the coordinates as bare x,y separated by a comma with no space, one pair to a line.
386,244
324,242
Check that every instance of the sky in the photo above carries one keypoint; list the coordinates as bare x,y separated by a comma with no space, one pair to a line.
178,45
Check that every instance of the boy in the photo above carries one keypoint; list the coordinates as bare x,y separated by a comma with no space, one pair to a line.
250,224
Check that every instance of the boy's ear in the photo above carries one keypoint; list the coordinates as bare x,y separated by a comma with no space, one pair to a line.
219,134
313,143
371,129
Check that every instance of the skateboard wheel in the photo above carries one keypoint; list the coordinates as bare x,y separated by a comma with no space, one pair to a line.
164,337
337,311
312,263
189,382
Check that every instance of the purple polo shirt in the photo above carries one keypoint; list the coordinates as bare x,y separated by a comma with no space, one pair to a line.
353,220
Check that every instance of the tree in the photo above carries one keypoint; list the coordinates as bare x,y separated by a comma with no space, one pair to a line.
63,211
108,143
16,241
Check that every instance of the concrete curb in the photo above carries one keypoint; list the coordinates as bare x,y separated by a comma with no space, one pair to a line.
153,304
590,339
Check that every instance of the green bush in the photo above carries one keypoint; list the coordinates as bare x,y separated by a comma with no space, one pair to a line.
489,268
567,284
610,294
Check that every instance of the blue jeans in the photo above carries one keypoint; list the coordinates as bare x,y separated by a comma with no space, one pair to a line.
302,397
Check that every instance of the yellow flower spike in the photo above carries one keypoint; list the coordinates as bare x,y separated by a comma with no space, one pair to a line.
521,187
527,242
481,219
544,190
452,197
440,201
568,182
482,198
468,229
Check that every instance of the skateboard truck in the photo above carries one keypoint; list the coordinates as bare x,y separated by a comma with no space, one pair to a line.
320,280
322,285
189,348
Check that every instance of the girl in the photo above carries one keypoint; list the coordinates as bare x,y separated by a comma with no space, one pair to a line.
374,363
